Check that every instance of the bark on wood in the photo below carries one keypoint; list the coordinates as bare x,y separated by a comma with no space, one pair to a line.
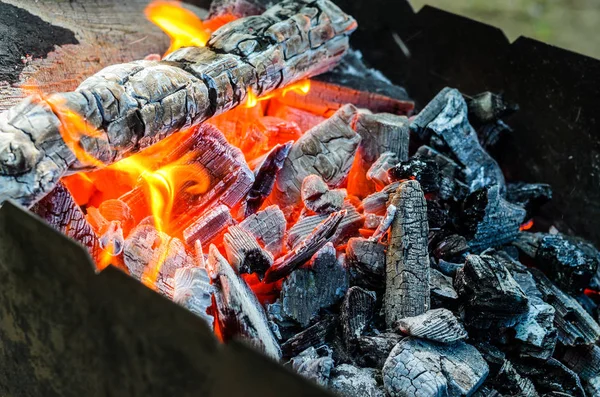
239,312
136,104
268,226
407,261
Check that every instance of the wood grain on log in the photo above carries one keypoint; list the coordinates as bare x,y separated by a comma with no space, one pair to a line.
136,104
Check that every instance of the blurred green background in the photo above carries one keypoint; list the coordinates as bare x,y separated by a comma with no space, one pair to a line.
570,24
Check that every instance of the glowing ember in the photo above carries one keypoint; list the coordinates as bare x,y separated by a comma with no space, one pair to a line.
183,27
527,225
302,87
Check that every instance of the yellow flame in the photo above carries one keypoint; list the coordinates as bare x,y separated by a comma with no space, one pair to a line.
301,87
182,26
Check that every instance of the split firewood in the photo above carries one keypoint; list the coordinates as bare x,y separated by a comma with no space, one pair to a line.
286,43
268,226
311,365
348,380
244,252
326,150
320,236
209,225
317,197
378,173
356,312
407,261
380,133
265,176
192,290
417,367
446,117
438,325
61,212
240,314
366,259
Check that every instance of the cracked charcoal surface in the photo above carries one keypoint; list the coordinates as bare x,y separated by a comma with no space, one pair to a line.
348,380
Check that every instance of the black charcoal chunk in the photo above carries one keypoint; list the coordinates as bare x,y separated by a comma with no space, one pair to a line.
448,268
315,336
441,287
356,312
488,220
350,381
424,170
585,362
372,351
489,294
416,367
451,246
451,185
551,377
366,261
488,106
283,328
530,196
490,134
318,198
438,325
309,289
377,202
314,365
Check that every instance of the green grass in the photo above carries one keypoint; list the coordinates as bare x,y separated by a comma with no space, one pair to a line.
570,24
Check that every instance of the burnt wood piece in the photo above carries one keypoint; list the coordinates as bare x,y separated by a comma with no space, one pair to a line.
451,185
377,202
448,268
424,170
112,240
379,171
317,197
349,226
372,221
238,8
153,257
568,261
366,261
445,117
386,222
265,177
308,290
585,362
489,295
240,314
450,247
192,290
437,325
268,226
530,196
372,351
356,312
287,43
488,220
417,367
315,335
407,261
320,236
326,150
575,326
442,290
313,366
380,133
551,377
209,225
244,252
491,133
488,107
348,380
61,212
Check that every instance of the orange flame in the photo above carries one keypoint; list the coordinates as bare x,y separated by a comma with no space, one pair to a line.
301,87
183,26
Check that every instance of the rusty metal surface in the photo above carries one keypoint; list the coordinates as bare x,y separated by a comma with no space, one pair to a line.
65,331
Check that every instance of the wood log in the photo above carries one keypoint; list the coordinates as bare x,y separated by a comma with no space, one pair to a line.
407,262
132,106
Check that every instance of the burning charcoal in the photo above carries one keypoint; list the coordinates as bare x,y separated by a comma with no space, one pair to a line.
530,196
268,226
377,202
380,133
575,327
488,107
587,303
244,253
450,185
350,381
61,212
372,221
192,290
318,198
489,294
417,367
372,351
349,226
407,260
446,117
356,312
239,312
448,268
112,241
425,171
308,290
117,211
208,226
315,335
551,378
450,247
322,234
441,287
153,257
366,259
265,176
379,171
568,261
438,325
313,366
488,220
326,150
585,362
